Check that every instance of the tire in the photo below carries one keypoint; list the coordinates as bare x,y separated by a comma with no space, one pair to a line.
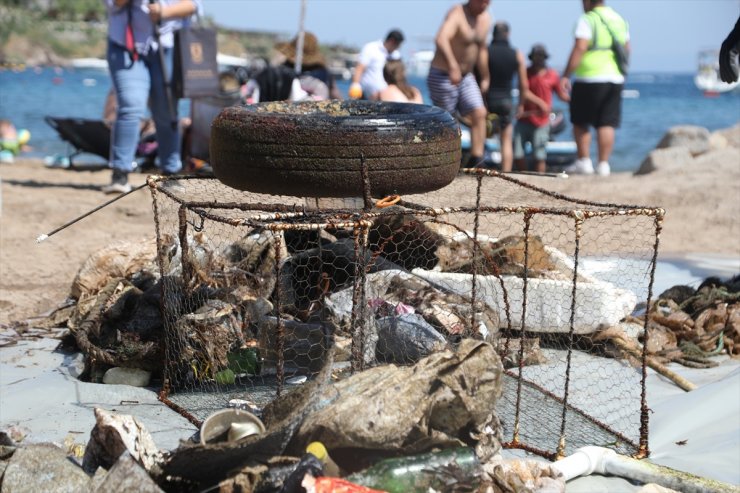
314,149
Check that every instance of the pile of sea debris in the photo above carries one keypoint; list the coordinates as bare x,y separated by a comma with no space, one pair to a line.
687,325
417,294
224,298
428,410
426,427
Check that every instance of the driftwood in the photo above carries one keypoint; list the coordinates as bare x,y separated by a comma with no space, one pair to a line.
636,352
617,336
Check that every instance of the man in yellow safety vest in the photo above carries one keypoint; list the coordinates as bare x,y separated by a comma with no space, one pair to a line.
598,78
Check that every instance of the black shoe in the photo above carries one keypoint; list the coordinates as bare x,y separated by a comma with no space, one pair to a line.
475,162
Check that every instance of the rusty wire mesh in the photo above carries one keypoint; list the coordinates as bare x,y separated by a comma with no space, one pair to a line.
258,288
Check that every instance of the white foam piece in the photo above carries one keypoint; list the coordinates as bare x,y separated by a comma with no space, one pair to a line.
548,300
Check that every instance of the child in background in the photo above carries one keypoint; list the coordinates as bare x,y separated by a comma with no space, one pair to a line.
12,142
533,123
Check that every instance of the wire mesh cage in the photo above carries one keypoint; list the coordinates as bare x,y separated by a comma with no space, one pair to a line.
258,289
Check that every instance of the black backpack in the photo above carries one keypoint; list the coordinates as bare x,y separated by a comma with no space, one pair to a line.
275,83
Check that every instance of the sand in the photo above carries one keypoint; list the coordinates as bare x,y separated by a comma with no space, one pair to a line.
702,204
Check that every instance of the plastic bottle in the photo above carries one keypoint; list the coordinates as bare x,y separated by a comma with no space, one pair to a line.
331,468
419,473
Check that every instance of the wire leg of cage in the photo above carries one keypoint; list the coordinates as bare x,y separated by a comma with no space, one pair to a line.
523,336
187,268
280,336
578,224
476,225
359,303
644,449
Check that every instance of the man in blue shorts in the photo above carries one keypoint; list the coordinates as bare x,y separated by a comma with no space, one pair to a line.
461,47
596,95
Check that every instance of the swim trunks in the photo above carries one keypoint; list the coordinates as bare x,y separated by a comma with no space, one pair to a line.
537,136
463,98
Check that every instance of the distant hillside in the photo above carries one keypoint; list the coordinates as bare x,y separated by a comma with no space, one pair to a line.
43,34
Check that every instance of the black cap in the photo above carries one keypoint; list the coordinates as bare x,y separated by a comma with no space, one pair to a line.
538,49
396,35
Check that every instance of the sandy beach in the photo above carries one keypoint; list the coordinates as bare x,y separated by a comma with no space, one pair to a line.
702,204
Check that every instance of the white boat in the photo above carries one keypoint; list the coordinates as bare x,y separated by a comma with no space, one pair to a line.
90,63
707,76
419,63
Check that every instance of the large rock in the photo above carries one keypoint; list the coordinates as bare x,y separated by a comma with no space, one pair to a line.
710,159
115,434
696,139
671,158
43,467
717,141
731,135
127,476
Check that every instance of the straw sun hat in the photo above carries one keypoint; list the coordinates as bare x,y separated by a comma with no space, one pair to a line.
311,53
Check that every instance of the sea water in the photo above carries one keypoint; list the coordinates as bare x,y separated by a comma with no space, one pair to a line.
653,103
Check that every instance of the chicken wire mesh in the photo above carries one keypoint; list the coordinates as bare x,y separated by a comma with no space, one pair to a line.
258,288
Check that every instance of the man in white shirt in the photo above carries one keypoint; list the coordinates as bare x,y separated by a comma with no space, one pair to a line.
596,91
368,75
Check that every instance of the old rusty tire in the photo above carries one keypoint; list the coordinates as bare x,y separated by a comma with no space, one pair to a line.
315,149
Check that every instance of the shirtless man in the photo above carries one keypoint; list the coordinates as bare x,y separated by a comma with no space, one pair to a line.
461,47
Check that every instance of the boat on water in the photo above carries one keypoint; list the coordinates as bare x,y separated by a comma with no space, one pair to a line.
707,75
89,64
419,63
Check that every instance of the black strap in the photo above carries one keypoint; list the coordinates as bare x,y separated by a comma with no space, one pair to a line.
609,30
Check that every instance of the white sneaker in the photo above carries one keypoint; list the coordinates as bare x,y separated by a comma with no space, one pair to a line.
117,188
582,166
119,183
603,169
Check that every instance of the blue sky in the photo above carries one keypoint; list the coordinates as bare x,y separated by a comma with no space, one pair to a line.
666,34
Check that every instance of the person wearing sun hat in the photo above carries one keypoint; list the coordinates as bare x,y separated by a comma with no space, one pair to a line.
534,112
313,64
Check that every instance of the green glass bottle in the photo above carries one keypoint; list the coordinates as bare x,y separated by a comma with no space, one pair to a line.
418,473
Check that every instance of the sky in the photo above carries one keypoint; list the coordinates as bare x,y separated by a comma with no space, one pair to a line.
666,34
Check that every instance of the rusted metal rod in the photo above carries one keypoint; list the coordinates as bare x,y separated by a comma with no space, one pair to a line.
43,237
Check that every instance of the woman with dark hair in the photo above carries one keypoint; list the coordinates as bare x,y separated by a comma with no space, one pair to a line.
398,90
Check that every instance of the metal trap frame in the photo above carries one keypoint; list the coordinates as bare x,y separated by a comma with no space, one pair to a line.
258,289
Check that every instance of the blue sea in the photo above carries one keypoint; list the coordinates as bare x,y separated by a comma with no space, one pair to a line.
656,102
